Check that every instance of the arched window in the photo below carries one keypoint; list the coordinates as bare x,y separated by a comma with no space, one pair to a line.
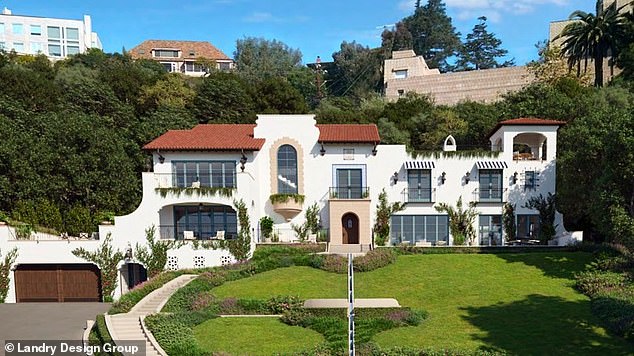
286,170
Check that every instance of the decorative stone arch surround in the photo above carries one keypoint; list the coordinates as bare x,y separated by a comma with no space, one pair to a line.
300,163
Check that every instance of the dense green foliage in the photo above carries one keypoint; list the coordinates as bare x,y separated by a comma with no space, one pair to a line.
384,212
99,336
610,284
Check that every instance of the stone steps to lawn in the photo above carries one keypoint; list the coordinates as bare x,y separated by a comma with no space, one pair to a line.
130,327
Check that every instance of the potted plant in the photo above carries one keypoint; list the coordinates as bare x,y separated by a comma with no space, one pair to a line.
266,227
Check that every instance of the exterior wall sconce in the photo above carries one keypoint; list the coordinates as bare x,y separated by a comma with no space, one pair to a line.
243,160
467,177
322,151
443,178
161,158
515,178
395,177
129,256
374,151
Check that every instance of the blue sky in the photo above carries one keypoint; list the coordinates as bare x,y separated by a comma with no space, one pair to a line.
315,27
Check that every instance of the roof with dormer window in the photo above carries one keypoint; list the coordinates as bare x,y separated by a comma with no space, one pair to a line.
189,49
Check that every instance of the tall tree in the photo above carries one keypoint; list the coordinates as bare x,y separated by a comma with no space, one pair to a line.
396,39
481,49
434,36
223,98
356,71
276,95
259,58
594,37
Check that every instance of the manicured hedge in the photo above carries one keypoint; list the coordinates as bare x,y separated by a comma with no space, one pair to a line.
174,332
310,248
608,282
413,250
99,335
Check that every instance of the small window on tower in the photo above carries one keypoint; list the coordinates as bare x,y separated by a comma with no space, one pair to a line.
348,153
400,74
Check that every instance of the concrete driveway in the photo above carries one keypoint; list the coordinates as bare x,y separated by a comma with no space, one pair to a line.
46,321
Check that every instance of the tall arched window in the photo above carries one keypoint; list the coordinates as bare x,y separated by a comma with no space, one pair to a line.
286,170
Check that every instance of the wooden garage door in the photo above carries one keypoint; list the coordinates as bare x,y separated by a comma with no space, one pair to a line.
58,283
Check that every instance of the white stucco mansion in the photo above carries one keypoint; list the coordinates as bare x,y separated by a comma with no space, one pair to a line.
341,168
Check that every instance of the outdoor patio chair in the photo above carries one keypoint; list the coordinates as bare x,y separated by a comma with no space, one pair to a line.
188,235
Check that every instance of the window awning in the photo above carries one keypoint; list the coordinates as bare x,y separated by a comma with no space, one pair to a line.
491,165
420,165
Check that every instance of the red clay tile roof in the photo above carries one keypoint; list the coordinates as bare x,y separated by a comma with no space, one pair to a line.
526,121
349,133
216,137
200,49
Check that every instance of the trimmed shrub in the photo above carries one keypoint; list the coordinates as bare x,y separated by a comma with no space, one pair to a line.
281,304
595,283
335,264
78,220
374,259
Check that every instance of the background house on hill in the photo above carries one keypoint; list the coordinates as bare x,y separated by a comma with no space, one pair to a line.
54,37
406,72
193,58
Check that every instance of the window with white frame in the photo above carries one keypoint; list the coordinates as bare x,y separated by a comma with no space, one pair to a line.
37,47
490,230
36,30
72,33
54,32
166,53
530,180
71,50
54,50
18,47
528,227
400,74
17,29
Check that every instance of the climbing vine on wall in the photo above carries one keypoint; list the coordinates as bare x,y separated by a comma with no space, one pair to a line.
5,269
154,255
240,247
107,259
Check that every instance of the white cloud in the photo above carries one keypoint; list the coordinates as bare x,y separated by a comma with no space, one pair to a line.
407,5
495,8
260,17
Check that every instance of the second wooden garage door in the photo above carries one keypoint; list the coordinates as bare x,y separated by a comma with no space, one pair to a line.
57,283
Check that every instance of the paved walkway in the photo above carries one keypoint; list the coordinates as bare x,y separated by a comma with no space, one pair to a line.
127,327
358,303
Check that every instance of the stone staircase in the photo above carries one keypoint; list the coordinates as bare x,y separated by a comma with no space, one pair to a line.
360,249
128,327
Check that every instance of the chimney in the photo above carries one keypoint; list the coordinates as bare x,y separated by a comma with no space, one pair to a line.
6,11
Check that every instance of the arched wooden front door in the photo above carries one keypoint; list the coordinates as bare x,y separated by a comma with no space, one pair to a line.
350,228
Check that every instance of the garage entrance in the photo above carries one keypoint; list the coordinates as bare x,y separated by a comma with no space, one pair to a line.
57,283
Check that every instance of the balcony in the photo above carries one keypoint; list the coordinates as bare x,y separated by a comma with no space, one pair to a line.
419,195
204,184
490,195
349,193
198,232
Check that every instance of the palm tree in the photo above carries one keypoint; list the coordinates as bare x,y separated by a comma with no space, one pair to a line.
593,37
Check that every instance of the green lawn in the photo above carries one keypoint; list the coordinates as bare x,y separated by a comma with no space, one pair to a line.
254,336
519,303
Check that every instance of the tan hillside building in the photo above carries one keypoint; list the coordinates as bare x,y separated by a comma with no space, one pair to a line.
406,72
188,57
